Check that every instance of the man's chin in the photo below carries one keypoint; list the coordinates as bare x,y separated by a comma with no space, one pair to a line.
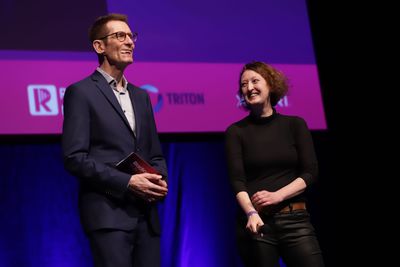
124,64
128,60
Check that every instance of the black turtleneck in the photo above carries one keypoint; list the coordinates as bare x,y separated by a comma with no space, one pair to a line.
267,153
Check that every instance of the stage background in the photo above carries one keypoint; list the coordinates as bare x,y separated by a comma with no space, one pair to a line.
38,199
187,56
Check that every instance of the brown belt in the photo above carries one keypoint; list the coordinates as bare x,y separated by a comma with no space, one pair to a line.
294,206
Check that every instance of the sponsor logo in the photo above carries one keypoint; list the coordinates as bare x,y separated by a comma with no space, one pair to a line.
153,92
181,98
45,100
185,98
284,102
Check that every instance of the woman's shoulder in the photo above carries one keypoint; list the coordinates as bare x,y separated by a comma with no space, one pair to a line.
294,122
291,118
237,125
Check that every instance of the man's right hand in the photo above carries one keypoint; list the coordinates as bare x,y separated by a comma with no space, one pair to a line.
148,186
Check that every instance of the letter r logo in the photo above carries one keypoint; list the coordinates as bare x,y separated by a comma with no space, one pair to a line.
42,100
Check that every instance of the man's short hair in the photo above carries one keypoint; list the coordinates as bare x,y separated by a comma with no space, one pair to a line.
98,30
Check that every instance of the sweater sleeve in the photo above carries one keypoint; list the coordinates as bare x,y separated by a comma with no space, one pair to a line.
234,158
307,160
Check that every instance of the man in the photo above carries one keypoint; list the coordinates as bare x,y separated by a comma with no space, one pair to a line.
105,119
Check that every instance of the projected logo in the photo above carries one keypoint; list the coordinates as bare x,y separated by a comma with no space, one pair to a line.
155,96
43,100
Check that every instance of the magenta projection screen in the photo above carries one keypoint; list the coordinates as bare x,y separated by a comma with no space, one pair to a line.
188,58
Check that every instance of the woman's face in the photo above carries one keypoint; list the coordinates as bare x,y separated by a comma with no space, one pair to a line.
254,88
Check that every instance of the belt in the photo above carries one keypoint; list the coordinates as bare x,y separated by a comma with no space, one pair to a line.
294,206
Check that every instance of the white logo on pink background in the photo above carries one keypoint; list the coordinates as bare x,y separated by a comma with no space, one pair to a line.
43,100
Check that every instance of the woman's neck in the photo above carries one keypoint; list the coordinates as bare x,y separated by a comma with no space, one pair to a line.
263,111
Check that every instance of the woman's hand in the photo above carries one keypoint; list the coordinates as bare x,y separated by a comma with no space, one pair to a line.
265,198
254,222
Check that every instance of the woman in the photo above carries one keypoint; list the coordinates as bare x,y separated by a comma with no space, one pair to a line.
271,162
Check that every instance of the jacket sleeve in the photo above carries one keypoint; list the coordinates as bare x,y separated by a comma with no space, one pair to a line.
157,159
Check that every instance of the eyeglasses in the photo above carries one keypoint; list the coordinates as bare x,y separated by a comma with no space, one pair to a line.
121,36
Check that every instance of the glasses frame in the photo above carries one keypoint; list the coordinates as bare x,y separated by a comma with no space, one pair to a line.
132,35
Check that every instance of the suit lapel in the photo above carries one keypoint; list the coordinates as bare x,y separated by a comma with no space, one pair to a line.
106,90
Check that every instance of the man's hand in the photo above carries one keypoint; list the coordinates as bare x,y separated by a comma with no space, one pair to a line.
148,186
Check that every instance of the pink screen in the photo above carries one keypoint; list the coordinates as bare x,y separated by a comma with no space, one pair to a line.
186,97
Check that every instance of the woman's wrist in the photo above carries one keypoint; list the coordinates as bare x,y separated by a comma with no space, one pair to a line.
250,213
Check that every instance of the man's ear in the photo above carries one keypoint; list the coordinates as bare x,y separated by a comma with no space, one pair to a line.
98,46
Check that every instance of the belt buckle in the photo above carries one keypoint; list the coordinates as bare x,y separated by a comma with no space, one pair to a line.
290,207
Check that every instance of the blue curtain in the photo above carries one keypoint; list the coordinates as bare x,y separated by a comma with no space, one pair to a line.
40,225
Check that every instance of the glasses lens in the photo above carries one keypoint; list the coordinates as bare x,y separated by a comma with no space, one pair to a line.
121,36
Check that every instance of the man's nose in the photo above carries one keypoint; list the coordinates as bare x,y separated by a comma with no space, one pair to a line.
129,41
